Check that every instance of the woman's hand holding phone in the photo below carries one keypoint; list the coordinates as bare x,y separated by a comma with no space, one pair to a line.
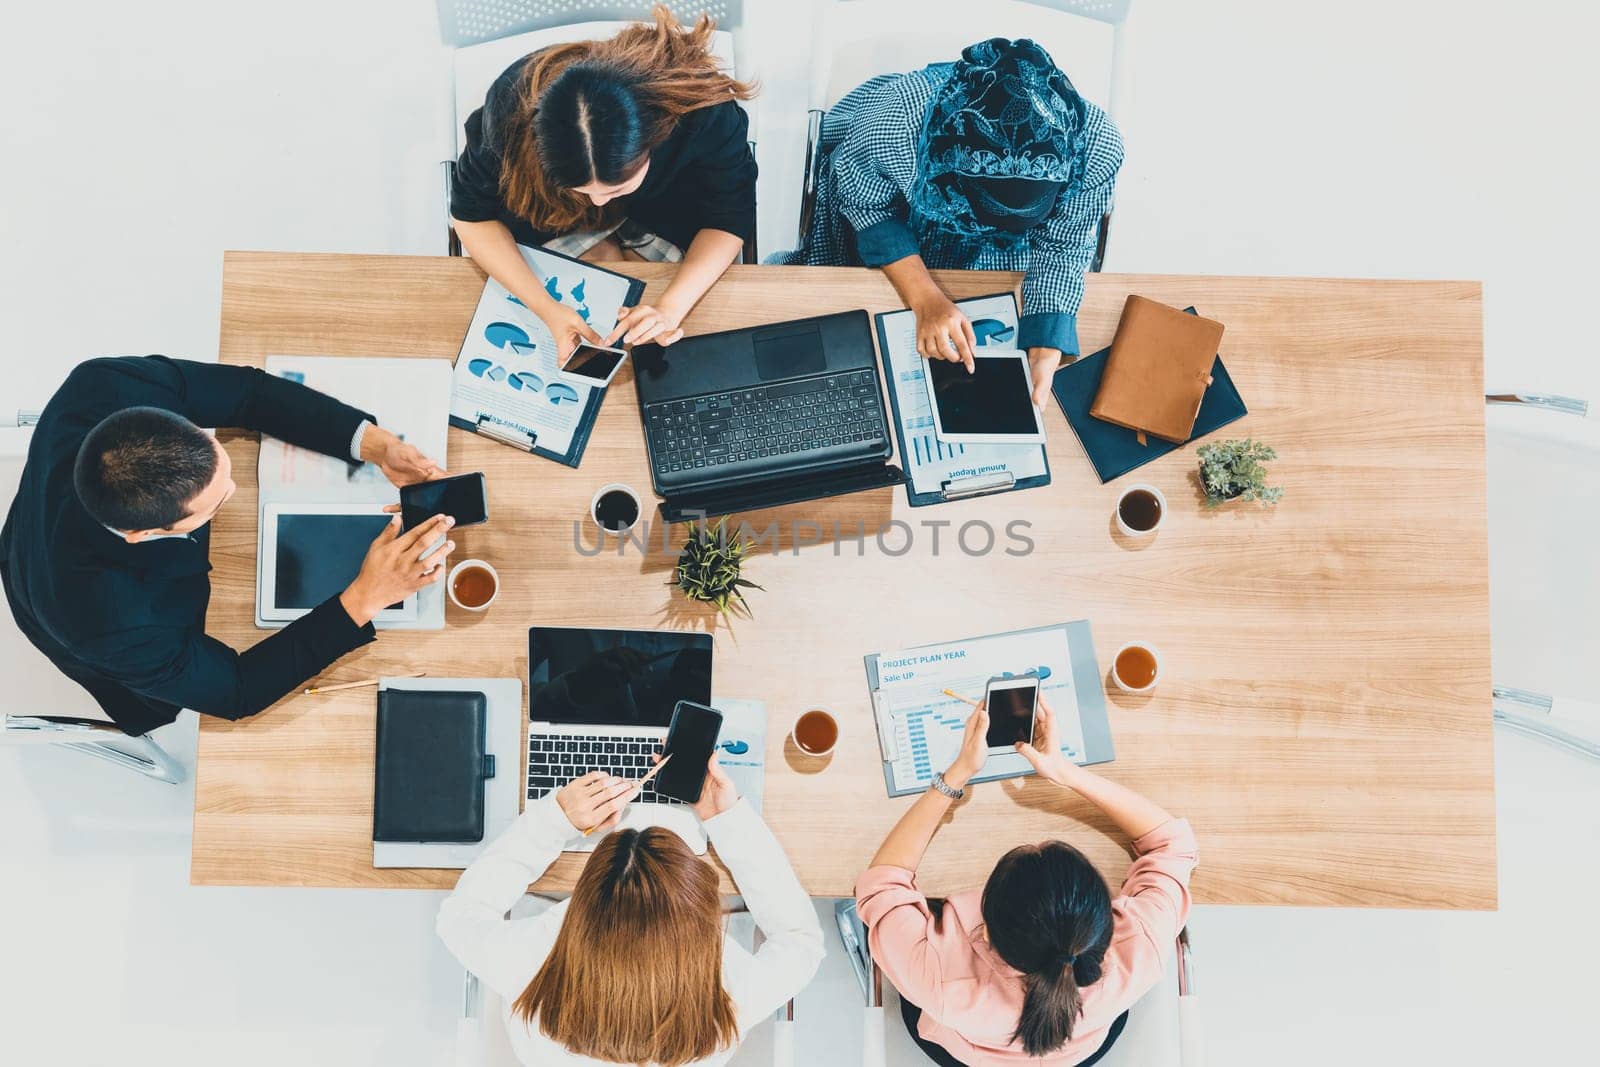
1047,758
717,795
974,749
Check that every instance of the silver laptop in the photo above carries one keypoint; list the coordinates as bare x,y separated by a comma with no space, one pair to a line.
602,700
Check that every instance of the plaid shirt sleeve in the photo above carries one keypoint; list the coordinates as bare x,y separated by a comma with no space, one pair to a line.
1061,251
874,166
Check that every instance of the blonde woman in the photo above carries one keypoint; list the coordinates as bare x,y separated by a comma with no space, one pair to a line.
635,968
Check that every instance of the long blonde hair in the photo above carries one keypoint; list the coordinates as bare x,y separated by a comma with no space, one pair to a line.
636,972
593,110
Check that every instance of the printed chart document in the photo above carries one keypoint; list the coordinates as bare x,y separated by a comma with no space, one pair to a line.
742,746
920,727
505,383
409,397
934,465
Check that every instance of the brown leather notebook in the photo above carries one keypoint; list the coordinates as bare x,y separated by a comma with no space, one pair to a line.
1158,370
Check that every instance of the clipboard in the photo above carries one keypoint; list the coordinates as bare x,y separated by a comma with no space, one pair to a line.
504,427
1088,689
911,445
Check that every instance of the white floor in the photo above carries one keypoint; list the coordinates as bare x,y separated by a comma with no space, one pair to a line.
1408,139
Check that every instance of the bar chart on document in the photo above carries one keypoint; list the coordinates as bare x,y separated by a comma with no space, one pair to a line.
925,724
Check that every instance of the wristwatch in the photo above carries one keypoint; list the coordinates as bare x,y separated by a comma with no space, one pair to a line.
946,788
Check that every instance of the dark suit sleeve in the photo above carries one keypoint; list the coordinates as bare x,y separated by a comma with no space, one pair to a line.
219,395
724,175
202,673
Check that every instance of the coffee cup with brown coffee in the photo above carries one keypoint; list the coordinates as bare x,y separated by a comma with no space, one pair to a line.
1140,510
815,732
1136,668
473,585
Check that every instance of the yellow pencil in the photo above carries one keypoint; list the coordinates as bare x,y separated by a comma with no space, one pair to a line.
958,696
314,690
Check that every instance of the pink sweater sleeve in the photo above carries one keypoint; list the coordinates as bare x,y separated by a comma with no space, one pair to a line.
899,927
1156,892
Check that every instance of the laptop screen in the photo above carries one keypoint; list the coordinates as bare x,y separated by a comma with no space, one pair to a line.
579,677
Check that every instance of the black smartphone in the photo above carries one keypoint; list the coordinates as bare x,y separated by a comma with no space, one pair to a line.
463,497
593,364
690,741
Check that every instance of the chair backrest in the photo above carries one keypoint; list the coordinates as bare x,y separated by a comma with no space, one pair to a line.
478,65
1543,474
464,22
857,39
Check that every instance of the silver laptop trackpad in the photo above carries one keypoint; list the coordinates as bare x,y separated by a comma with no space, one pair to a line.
679,820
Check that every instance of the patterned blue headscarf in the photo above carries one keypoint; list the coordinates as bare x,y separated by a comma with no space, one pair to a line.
1005,112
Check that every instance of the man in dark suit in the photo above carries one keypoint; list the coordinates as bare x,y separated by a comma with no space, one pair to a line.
104,556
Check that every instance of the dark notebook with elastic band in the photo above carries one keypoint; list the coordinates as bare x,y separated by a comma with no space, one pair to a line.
431,765
1115,450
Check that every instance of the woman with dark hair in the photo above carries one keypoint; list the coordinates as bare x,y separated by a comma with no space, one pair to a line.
630,148
635,967
1041,966
993,162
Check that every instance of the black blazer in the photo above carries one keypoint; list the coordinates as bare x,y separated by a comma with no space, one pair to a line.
701,177
127,622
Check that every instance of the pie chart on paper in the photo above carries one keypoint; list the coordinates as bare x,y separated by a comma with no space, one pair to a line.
501,334
559,393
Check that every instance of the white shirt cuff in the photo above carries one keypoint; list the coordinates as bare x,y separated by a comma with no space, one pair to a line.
355,440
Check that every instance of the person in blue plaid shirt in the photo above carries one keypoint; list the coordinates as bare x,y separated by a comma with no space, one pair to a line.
993,162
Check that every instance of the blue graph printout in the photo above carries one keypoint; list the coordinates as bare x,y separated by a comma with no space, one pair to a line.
930,462
921,726
506,370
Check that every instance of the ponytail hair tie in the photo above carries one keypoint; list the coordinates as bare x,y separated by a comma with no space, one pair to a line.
1066,960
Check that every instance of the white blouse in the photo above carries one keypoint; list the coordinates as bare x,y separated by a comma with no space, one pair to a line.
505,953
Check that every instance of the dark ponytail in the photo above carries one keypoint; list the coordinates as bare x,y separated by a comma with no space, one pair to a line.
1047,912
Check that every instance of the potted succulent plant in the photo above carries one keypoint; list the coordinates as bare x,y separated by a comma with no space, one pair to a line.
1234,470
709,566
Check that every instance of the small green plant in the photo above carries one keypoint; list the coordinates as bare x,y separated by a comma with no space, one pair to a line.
709,566
1233,470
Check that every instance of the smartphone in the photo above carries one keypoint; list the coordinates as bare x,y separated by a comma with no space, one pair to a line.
1012,703
463,497
690,740
593,364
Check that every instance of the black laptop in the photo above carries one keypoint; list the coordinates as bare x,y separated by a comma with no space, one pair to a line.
764,416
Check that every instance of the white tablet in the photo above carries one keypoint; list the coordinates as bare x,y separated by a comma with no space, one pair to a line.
312,551
993,403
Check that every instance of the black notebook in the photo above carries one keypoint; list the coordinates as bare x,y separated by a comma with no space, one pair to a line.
1115,450
430,766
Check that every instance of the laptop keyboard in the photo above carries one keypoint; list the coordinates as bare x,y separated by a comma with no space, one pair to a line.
556,759
767,420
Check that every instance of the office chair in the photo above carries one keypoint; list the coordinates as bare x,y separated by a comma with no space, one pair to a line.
482,1042
1543,467
854,40
1164,1027
489,35
95,737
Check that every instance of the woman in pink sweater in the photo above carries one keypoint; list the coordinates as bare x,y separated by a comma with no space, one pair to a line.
1042,964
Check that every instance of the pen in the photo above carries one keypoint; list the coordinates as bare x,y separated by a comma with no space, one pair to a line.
958,696
637,785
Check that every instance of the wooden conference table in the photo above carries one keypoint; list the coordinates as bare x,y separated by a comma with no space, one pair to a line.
1325,716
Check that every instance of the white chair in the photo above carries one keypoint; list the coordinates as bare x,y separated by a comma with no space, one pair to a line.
490,35
854,40
482,1041
1544,504
74,721
1163,1028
